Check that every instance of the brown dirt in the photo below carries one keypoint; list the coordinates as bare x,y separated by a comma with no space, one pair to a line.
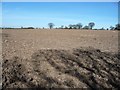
60,59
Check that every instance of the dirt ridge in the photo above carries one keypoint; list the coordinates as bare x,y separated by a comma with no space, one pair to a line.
76,68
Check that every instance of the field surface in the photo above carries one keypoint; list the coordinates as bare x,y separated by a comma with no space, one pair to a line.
25,42
60,59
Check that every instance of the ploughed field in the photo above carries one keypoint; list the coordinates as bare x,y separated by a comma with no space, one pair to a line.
60,59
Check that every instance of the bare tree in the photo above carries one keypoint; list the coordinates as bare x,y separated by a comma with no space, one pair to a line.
79,25
91,25
86,27
112,28
66,27
70,26
117,27
74,26
62,26
51,25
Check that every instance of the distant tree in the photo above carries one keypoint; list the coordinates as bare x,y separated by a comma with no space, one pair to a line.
79,25
62,27
74,26
117,27
95,29
91,25
21,27
30,27
70,26
51,25
112,28
86,27
102,28
66,27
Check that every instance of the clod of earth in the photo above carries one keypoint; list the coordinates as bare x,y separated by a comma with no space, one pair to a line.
77,68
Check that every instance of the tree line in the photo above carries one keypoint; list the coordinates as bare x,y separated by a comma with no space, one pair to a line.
80,26
70,26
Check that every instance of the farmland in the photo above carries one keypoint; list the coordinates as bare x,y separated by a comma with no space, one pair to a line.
60,58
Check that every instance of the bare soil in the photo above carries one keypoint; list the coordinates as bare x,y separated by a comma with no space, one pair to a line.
60,59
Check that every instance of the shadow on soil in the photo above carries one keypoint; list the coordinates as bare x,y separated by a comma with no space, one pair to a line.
77,68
